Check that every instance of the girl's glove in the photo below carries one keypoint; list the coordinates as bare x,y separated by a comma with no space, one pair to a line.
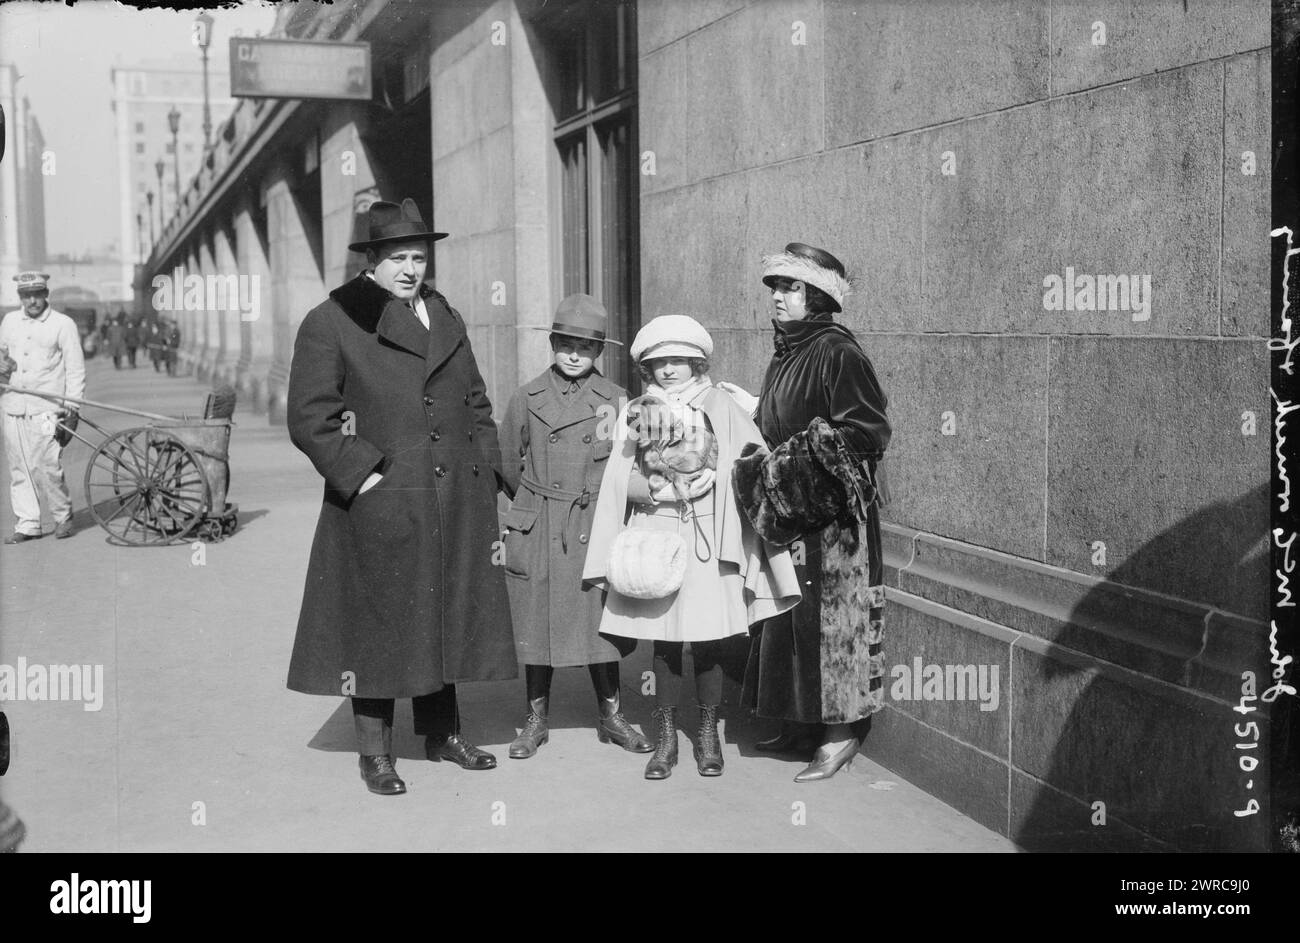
664,494
699,483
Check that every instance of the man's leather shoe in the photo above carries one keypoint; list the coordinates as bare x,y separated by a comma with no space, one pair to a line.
381,776
460,751
18,537
63,529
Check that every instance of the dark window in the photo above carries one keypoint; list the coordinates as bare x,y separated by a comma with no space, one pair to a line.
139,127
139,147
307,194
594,94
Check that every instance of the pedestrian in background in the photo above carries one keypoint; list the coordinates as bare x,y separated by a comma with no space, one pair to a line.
681,563
131,337
555,442
156,343
117,340
173,342
44,348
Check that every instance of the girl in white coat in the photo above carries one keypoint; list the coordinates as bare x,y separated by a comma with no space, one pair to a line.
731,576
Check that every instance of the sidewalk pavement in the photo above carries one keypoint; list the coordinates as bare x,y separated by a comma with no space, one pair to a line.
198,745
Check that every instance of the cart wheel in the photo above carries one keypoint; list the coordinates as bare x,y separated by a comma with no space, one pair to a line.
146,487
209,531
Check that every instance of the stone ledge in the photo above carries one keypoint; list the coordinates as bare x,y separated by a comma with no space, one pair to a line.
1078,728
1190,645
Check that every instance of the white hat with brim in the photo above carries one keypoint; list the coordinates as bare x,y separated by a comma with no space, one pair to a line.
672,335
672,349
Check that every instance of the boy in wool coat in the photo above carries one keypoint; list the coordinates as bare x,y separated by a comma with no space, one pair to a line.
555,442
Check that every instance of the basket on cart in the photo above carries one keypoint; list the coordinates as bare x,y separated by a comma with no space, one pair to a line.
162,483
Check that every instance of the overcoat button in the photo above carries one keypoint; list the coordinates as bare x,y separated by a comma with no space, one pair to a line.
587,437
440,471
428,401
471,435
435,436
582,538
476,469
554,437
555,484
466,399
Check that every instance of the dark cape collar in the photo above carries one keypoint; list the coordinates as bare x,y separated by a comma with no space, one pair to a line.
790,335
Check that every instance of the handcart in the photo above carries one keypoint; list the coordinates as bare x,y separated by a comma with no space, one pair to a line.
160,483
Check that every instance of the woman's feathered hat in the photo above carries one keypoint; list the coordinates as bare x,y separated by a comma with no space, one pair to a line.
812,266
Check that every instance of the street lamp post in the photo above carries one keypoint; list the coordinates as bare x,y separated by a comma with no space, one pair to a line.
153,241
159,167
174,121
203,38
139,235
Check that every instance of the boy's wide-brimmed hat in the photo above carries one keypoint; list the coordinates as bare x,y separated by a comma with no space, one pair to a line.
581,316
387,222
812,266
672,335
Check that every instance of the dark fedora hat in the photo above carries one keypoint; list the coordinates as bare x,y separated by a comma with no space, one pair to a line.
388,222
580,316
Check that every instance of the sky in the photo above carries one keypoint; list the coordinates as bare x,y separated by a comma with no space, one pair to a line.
64,54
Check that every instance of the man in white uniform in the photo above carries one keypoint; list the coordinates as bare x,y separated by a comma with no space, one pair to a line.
45,349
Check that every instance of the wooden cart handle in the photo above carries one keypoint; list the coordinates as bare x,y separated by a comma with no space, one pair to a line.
90,402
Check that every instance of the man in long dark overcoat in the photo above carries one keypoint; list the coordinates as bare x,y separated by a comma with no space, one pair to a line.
402,598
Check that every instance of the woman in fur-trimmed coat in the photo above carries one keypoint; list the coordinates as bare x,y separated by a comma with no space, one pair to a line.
821,663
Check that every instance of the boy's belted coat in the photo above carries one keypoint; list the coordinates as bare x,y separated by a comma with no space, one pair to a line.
402,594
555,446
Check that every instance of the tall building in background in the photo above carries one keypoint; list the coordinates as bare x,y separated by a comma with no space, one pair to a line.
143,95
22,187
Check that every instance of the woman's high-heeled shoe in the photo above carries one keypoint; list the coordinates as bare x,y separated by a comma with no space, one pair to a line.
826,764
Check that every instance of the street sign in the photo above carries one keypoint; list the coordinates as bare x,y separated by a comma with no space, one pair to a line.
295,68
